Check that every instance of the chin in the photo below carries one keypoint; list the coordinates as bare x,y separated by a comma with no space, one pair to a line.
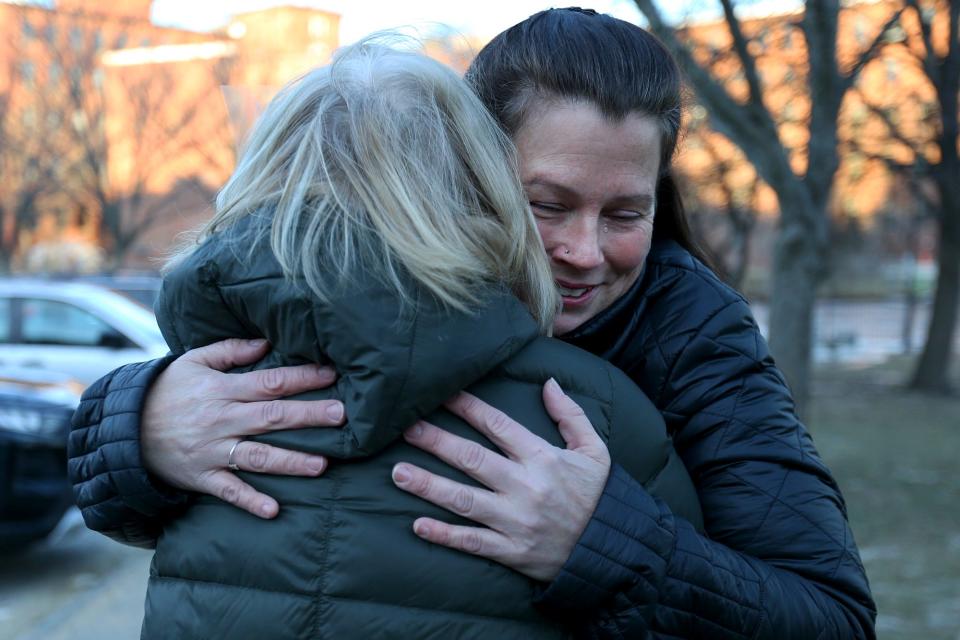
565,324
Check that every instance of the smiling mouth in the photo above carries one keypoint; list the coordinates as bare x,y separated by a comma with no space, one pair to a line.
570,292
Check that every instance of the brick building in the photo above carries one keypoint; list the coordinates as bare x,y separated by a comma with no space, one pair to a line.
118,132
886,127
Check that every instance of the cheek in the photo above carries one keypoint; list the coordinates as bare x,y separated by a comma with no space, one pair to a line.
548,234
626,252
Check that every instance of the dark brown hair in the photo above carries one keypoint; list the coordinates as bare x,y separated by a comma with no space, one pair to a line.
580,54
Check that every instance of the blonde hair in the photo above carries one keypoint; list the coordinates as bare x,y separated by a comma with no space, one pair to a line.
386,161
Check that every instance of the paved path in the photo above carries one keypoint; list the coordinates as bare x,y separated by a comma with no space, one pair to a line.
76,585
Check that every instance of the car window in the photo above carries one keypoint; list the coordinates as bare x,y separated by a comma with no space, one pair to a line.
52,322
5,320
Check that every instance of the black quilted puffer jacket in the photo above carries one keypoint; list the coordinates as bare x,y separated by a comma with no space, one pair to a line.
341,560
778,559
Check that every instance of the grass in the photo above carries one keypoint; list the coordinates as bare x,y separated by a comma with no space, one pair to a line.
895,455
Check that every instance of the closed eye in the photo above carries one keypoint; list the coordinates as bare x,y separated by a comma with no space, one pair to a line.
626,216
551,207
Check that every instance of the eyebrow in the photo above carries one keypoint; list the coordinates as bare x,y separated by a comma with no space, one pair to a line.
638,200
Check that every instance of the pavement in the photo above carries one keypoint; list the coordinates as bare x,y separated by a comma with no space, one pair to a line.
75,585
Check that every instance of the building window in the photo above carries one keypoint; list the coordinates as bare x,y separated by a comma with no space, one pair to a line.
55,73
860,31
29,33
790,112
121,41
28,117
891,115
97,40
50,33
27,72
76,38
80,123
76,80
895,34
890,66
788,39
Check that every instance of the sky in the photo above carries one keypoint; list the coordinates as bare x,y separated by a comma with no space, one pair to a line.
361,17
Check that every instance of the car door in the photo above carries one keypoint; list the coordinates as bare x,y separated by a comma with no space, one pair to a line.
60,336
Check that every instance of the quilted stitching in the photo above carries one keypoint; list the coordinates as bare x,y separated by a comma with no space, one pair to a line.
112,489
697,352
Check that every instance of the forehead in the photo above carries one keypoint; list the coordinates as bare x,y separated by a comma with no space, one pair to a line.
574,145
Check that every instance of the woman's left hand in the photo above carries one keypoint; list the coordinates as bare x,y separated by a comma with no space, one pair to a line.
539,498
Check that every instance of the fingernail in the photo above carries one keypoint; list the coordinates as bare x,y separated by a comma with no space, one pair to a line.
258,342
400,474
335,411
266,509
324,370
554,386
316,465
422,529
416,430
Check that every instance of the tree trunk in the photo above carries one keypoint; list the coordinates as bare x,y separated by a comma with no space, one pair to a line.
796,274
909,313
933,369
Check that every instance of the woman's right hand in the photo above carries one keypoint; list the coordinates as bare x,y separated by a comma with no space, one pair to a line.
195,414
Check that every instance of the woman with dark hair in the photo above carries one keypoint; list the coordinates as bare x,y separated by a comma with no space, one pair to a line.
375,221
593,105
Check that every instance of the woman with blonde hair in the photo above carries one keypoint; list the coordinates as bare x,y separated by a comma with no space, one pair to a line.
375,223
594,105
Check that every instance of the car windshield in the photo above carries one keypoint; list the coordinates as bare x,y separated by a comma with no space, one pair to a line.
55,322
139,316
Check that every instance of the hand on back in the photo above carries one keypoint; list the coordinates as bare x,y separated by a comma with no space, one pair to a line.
196,415
539,500
539,497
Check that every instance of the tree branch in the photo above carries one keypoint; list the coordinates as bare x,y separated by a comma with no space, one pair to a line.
819,27
930,62
750,126
894,131
740,46
871,52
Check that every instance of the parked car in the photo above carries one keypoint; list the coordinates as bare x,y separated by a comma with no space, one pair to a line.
79,329
142,288
35,410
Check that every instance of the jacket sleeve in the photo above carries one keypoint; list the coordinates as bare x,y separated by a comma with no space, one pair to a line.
113,490
778,560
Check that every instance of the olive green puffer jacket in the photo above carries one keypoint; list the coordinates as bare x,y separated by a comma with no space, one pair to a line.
341,559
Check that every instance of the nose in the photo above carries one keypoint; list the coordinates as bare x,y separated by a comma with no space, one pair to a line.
578,243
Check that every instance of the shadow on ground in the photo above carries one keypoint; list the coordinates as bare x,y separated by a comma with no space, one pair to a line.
895,454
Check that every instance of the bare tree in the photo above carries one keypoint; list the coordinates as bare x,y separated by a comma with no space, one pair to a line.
27,160
921,149
803,181
159,125
721,196
942,68
123,138
8,231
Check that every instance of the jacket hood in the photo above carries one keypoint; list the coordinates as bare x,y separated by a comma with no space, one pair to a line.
394,363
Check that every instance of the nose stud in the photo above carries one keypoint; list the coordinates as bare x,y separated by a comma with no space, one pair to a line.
566,251
606,228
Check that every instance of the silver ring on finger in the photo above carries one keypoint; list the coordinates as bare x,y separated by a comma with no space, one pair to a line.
233,466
